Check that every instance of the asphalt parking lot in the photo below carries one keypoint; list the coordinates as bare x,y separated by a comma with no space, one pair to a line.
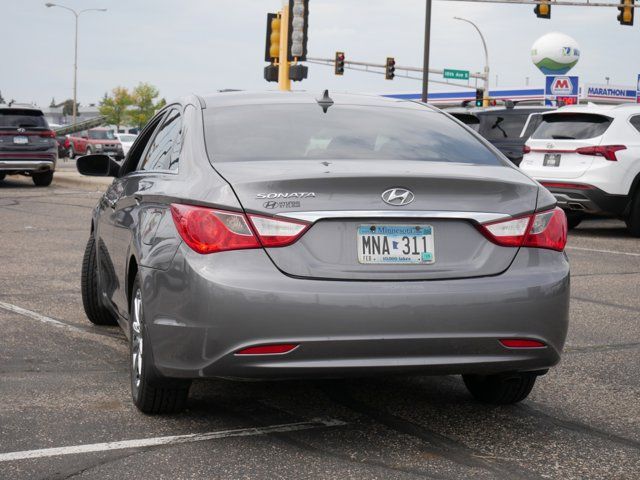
64,385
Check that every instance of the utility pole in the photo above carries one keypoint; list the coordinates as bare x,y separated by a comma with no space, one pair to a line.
427,41
284,82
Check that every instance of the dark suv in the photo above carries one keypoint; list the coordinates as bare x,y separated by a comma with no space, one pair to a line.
27,145
503,126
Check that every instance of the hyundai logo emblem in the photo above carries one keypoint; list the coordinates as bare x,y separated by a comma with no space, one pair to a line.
398,197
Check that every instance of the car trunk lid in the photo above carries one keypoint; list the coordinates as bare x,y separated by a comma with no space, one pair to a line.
343,197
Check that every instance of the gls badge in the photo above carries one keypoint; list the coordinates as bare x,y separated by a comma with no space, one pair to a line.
286,195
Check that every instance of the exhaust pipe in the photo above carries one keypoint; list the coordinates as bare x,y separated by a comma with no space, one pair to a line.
575,206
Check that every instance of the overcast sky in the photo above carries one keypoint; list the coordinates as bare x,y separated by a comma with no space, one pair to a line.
204,45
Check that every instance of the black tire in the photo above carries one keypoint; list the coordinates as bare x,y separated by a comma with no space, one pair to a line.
151,392
633,221
42,179
96,312
574,219
504,389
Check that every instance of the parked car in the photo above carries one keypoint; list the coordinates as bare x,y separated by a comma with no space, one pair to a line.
126,139
27,145
506,127
589,157
96,140
347,235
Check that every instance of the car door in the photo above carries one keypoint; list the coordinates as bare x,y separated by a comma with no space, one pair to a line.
138,209
115,208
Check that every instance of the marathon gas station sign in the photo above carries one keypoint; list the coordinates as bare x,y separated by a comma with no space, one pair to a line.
609,93
561,90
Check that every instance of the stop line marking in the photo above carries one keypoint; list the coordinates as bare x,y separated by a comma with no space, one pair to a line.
169,440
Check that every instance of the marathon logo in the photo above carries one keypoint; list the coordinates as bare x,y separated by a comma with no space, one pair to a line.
609,92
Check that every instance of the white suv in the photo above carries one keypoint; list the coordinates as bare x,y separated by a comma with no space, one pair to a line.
589,158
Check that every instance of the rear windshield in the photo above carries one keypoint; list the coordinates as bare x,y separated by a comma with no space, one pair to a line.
503,126
571,126
16,118
102,135
469,120
304,131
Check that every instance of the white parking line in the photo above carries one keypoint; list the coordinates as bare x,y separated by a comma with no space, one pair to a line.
171,440
615,252
39,317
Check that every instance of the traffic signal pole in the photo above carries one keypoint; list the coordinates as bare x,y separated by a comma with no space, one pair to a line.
284,83
427,42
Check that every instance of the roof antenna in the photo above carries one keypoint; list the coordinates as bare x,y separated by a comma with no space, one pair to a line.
325,102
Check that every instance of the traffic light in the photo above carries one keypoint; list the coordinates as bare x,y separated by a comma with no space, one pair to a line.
390,69
625,17
298,72
272,49
298,29
543,10
339,63
479,97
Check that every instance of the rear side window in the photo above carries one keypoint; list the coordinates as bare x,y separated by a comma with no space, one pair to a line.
503,126
571,126
344,132
635,121
164,152
16,118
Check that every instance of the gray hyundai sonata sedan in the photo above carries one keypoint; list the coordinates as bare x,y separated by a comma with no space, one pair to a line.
290,235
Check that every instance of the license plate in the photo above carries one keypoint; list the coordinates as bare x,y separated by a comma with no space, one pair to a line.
20,140
395,244
551,160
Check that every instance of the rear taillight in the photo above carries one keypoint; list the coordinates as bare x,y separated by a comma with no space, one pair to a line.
48,134
521,343
572,186
606,151
539,230
278,349
208,230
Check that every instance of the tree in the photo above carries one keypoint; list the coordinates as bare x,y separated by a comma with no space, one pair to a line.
114,107
1,98
144,104
67,107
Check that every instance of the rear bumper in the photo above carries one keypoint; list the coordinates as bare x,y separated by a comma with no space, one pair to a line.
24,165
203,309
590,200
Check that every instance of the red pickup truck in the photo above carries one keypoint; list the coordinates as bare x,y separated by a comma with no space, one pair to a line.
96,140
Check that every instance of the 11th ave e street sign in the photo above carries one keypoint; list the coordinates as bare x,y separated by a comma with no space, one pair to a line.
456,74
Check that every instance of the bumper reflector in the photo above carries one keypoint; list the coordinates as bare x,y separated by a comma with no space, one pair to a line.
521,343
268,349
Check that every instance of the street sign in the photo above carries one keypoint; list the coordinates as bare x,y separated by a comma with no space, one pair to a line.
456,74
561,90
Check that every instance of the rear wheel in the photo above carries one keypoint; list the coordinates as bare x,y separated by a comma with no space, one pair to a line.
502,389
42,179
96,312
633,222
150,391
573,219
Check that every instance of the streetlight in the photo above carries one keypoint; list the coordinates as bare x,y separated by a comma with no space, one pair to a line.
607,79
75,61
485,100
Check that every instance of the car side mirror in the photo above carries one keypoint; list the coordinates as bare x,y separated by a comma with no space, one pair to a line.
98,165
